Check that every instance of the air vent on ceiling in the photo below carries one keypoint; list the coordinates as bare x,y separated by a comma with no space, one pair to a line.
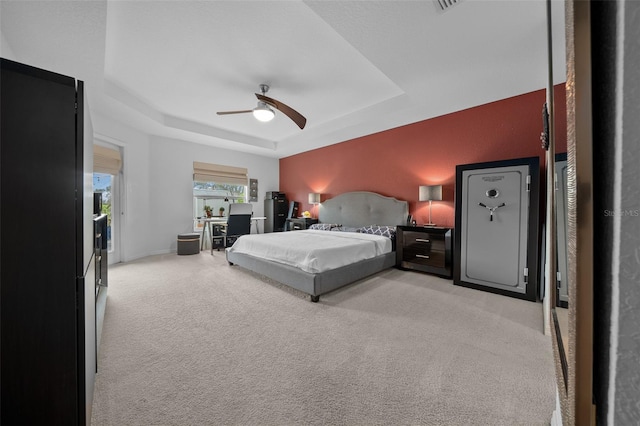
444,5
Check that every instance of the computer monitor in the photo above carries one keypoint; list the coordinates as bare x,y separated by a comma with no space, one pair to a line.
294,206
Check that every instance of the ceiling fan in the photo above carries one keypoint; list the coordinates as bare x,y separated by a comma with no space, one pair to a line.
263,112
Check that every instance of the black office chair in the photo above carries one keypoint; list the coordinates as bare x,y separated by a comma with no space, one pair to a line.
237,225
240,208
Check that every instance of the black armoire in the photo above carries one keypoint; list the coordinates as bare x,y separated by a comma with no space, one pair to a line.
47,285
275,211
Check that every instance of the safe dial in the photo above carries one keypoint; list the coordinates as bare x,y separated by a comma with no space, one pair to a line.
492,193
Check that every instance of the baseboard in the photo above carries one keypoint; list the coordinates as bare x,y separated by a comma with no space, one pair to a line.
151,253
556,416
101,306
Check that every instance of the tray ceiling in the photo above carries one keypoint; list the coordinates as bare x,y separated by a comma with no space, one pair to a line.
352,68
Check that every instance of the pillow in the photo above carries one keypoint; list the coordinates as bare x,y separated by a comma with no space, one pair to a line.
385,231
345,229
323,226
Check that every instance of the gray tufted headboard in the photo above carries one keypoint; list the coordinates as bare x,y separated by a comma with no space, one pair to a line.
361,208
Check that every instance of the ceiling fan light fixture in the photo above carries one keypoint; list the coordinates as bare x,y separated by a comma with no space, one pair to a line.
263,113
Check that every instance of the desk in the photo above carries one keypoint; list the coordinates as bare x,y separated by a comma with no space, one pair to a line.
206,228
222,220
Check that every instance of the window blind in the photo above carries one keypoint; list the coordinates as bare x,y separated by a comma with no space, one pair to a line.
106,160
206,172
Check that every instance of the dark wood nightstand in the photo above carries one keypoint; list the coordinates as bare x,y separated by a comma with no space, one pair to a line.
425,249
298,223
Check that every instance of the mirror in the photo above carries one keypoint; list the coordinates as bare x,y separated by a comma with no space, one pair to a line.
562,287
561,295
571,249
554,139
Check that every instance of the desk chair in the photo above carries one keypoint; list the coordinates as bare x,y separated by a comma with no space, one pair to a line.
237,225
240,208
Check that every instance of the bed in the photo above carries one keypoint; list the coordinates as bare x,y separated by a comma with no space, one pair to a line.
364,223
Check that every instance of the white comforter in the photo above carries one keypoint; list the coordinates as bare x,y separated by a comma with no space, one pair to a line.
313,251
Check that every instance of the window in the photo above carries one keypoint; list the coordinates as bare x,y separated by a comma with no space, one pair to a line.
215,186
107,166
217,196
103,183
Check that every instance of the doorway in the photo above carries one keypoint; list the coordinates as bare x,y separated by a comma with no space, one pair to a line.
109,186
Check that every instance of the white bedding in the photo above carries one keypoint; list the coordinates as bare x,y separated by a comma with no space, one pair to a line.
313,251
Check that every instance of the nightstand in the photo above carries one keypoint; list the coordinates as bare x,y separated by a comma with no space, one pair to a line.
298,223
425,249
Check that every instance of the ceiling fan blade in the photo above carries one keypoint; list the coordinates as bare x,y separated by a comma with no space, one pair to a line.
233,112
286,110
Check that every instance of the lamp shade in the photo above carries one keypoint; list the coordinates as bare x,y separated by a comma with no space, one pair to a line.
430,193
314,198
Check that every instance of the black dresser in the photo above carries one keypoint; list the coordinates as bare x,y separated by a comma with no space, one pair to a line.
299,223
425,249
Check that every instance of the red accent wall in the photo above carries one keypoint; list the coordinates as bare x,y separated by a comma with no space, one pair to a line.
396,162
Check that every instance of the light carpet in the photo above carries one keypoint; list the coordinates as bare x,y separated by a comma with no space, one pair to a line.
190,340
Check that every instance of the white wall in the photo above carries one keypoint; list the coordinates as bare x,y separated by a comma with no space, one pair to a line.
5,50
171,185
624,391
135,209
157,172
157,198
157,182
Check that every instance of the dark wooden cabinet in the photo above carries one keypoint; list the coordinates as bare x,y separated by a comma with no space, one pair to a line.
275,210
299,223
47,312
425,249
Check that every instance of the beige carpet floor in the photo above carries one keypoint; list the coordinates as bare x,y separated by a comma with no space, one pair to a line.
190,340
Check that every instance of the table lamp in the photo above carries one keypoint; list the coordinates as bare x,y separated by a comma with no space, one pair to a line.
430,193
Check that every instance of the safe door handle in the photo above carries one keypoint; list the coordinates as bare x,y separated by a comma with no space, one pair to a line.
491,209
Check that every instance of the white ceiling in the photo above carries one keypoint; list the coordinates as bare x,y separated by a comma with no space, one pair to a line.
352,68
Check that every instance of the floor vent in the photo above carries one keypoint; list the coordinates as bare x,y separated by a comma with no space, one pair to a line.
444,5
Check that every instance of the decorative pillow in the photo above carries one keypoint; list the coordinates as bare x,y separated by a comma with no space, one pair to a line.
345,229
323,226
385,231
